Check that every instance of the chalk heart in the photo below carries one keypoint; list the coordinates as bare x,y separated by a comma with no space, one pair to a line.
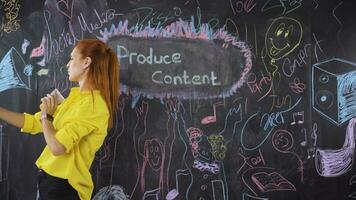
65,7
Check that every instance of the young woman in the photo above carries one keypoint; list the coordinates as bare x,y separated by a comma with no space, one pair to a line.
75,128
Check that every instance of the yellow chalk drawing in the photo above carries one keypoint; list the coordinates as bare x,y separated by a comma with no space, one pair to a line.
282,37
11,10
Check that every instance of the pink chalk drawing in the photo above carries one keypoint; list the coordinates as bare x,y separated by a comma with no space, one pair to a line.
271,182
37,52
265,179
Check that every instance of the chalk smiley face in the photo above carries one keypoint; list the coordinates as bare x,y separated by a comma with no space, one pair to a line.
282,141
154,153
282,37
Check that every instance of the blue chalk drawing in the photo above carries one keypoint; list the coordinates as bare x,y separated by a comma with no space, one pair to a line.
334,90
9,78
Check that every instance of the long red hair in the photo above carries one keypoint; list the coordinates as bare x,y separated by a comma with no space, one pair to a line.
103,72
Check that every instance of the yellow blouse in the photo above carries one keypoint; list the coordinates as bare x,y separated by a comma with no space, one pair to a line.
81,123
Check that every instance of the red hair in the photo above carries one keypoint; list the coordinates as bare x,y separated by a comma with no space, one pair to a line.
103,72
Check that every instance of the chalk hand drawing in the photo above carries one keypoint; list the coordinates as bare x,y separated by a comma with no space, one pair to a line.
203,160
232,119
139,130
153,153
104,154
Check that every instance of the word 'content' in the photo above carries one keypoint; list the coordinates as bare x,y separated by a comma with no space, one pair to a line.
159,78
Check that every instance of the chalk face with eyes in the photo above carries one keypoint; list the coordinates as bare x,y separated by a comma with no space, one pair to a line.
154,153
282,37
204,151
200,146
282,141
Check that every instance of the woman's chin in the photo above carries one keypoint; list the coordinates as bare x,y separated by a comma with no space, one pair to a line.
71,79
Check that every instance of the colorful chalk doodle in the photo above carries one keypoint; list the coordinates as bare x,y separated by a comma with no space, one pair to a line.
9,76
220,100
193,81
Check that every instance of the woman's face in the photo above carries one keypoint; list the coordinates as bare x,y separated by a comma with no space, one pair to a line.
77,66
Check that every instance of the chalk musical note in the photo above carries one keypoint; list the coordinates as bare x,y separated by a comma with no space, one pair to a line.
24,46
211,118
299,116
311,151
314,136
172,194
304,142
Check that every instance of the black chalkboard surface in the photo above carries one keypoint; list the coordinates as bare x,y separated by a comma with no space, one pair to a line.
230,99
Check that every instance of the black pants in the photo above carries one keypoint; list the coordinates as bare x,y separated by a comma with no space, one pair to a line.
53,188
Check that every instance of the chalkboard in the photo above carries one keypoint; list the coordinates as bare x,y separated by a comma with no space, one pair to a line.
230,99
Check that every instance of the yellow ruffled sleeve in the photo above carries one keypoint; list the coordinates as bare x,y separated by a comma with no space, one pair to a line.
32,123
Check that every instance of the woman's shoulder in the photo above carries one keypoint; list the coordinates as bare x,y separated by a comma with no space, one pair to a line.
95,102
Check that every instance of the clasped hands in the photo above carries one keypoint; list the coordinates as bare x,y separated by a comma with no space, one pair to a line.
49,104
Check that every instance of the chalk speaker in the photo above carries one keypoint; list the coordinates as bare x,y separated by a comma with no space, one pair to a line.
334,89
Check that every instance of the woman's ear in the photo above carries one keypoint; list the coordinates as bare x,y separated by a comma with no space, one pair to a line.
87,62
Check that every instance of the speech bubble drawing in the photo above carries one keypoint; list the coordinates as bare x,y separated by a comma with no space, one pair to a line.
179,60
